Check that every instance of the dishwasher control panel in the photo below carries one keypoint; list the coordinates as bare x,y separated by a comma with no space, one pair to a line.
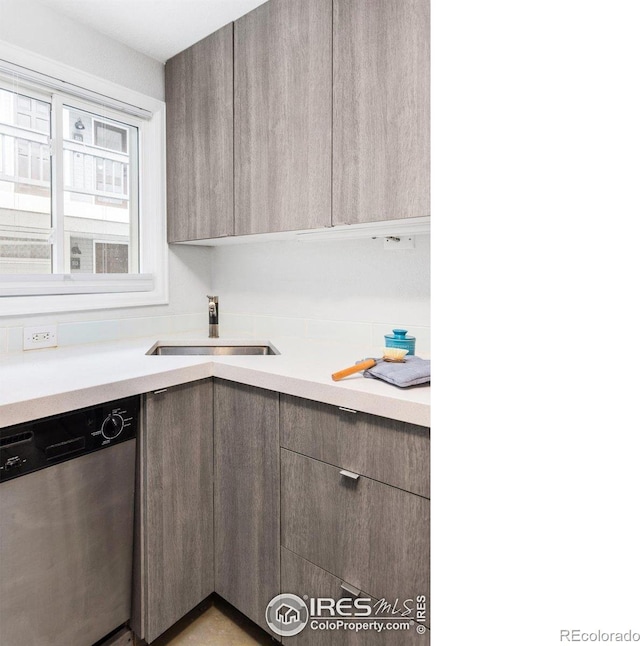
44,442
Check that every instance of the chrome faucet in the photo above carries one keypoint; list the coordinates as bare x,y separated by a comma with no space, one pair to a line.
213,317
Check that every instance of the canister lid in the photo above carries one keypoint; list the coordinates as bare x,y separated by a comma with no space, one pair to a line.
400,335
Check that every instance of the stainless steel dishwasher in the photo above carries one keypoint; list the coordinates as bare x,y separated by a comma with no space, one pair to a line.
66,525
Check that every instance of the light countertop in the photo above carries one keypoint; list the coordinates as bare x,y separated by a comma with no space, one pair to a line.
40,383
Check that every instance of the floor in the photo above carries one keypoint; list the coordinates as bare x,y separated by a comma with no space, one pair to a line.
214,623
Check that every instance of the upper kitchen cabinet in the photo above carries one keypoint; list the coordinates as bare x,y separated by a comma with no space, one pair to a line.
282,120
380,110
199,97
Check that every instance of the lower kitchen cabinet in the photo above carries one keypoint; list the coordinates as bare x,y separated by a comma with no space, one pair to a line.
264,493
300,577
247,497
174,547
393,452
373,536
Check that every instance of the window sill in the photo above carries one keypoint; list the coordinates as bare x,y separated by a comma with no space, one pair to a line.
65,293
59,284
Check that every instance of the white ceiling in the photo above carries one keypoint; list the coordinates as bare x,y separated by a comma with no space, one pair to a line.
157,28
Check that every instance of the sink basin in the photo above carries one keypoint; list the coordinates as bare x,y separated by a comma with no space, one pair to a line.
224,350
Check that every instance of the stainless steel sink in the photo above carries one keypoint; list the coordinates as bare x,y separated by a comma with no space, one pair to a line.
224,350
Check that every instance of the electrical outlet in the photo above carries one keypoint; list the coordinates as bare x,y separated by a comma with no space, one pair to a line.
40,336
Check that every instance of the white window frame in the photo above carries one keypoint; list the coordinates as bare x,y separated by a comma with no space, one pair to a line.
34,294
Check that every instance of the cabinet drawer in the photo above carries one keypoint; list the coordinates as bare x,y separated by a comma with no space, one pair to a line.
392,452
374,536
301,577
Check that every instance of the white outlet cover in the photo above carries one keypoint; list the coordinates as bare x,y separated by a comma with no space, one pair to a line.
40,336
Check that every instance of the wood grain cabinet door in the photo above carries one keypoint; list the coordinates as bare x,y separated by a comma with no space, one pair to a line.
247,497
393,452
199,96
282,118
300,577
175,562
380,110
372,535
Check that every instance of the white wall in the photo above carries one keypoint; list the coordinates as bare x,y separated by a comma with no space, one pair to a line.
335,290
34,27
31,25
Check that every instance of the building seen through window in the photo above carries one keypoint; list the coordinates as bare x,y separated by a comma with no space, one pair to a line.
67,205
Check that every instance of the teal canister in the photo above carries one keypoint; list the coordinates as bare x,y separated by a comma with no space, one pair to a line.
399,339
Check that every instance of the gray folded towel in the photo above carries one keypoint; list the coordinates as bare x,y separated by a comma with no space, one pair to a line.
412,372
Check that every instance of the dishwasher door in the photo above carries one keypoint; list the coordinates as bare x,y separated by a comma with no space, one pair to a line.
66,544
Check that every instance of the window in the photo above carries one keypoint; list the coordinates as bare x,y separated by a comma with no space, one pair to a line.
77,166
25,184
96,173
100,158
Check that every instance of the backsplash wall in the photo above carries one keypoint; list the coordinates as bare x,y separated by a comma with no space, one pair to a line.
338,290
342,290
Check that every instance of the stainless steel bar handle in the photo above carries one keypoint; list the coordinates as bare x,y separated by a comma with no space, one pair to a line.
347,410
349,589
159,392
349,474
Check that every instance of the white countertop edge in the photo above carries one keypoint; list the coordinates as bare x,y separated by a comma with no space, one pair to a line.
57,403
154,373
375,404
